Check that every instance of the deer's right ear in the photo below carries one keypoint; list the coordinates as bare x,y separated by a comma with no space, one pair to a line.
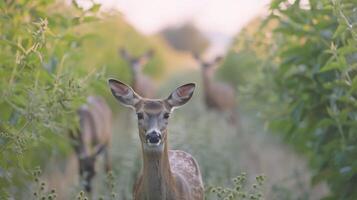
218,59
196,56
181,95
124,54
123,93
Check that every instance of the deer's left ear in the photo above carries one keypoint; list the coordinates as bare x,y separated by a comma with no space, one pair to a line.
145,58
218,59
124,53
181,95
123,93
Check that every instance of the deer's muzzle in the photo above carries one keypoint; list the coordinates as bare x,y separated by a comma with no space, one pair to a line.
153,138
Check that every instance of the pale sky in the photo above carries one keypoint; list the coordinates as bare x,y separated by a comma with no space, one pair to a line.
225,16
218,18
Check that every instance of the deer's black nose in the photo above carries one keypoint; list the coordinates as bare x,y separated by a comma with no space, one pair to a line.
153,137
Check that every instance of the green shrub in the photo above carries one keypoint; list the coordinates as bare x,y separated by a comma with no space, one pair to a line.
239,190
311,86
317,80
40,91
304,83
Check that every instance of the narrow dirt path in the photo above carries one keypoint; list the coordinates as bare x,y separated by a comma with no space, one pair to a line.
288,175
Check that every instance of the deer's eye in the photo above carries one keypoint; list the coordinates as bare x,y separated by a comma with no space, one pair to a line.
140,115
166,115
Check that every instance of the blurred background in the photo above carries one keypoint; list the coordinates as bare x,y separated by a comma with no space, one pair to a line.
291,65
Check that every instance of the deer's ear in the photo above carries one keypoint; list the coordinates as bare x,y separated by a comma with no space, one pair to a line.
123,93
124,54
181,95
196,56
145,58
150,53
218,60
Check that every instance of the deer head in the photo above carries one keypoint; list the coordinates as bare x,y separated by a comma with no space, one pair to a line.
136,62
208,67
152,114
81,143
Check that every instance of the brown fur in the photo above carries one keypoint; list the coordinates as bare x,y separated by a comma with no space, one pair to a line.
172,175
218,95
93,138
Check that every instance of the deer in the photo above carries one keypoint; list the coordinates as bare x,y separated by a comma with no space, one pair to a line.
141,83
165,174
217,95
92,138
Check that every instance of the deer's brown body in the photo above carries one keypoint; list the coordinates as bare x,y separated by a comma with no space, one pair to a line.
144,85
93,138
166,174
141,83
173,175
218,95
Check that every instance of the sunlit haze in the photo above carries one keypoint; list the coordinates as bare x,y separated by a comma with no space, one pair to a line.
218,19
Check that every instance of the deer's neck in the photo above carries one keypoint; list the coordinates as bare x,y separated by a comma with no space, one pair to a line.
157,179
207,82
134,80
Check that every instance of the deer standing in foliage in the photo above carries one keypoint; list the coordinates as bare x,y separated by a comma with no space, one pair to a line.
142,84
219,96
92,138
166,174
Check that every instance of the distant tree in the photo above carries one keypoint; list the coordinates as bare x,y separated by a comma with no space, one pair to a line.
185,38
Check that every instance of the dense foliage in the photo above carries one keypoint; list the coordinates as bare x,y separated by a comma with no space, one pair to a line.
317,81
40,84
306,84
49,63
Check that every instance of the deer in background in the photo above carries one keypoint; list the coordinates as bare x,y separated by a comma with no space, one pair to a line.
219,96
142,84
93,138
166,174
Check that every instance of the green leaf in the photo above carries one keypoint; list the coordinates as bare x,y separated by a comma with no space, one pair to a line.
297,112
354,84
88,19
95,8
333,65
275,4
340,29
75,4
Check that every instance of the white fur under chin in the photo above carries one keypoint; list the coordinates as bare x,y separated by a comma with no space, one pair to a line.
153,144
154,147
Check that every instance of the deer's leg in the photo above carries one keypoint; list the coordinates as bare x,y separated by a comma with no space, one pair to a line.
234,120
107,160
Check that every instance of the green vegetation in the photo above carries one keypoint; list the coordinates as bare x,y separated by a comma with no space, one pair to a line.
40,86
305,83
52,57
295,70
316,78
237,191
